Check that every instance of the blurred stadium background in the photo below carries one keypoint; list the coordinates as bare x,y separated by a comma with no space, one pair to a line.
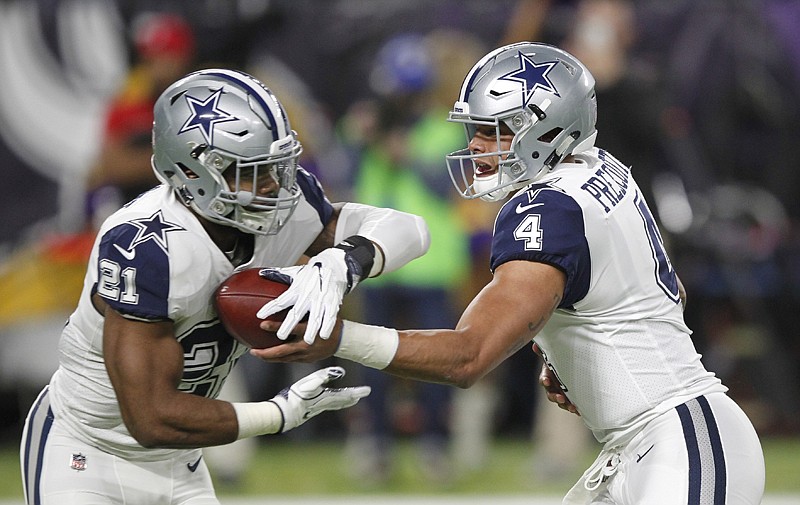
702,97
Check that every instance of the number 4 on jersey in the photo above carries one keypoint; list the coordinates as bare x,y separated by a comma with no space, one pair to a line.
530,232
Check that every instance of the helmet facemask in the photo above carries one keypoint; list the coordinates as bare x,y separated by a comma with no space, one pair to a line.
237,202
463,166
262,214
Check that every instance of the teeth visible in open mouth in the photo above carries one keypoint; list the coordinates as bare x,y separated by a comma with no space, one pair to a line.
483,169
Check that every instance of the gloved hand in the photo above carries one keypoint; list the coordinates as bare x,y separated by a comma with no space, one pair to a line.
307,397
316,289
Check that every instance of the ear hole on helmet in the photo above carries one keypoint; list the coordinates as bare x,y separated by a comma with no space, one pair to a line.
175,97
187,171
551,135
570,68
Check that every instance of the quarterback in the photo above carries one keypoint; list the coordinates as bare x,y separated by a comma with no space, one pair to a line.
579,267
144,355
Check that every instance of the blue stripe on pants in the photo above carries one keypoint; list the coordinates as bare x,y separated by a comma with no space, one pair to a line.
695,470
37,427
720,474
707,472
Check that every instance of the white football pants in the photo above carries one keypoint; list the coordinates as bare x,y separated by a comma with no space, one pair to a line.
58,469
704,452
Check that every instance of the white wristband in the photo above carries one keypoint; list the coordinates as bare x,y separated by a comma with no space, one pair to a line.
258,418
377,262
372,346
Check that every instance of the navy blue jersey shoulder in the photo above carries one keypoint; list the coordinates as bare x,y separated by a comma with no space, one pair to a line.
545,225
133,267
314,194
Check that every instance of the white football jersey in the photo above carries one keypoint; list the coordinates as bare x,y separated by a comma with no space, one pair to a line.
153,260
617,342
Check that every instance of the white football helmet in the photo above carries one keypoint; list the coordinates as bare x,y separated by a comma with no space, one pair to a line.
544,95
217,120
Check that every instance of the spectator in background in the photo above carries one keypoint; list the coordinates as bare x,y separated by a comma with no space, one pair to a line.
400,166
603,36
164,47
733,122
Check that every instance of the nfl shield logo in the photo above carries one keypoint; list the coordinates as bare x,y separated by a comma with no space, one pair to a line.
78,462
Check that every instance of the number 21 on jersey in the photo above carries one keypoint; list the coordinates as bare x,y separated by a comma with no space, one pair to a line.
111,276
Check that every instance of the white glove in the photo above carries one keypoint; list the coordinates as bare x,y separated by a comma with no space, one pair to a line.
307,397
317,289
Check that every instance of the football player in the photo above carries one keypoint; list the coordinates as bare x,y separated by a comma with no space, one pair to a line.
578,265
143,356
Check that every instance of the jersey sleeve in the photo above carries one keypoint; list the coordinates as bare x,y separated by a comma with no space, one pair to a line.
546,226
133,265
315,195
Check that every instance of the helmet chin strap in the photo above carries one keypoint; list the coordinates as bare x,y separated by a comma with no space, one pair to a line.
495,196
481,184
558,152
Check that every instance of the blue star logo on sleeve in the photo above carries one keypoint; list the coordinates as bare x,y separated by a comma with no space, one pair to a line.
205,115
532,76
153,228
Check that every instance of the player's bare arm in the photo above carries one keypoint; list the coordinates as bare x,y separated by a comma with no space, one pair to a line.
145,362
479,342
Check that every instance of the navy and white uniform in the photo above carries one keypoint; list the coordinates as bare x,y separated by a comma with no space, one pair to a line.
620,348
152,260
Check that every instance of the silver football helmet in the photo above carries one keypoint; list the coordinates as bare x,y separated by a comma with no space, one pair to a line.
544,95
215,121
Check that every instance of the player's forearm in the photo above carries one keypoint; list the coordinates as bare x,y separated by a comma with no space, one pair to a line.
443,356
185,421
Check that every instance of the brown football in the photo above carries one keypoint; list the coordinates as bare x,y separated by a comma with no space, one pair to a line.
238,299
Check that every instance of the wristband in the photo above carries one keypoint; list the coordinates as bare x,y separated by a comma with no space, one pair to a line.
378,262
372,346
359,257
258,418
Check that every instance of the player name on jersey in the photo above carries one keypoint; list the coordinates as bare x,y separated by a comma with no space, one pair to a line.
609,184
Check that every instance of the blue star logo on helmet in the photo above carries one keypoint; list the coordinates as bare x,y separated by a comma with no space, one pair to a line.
532,76
205,115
